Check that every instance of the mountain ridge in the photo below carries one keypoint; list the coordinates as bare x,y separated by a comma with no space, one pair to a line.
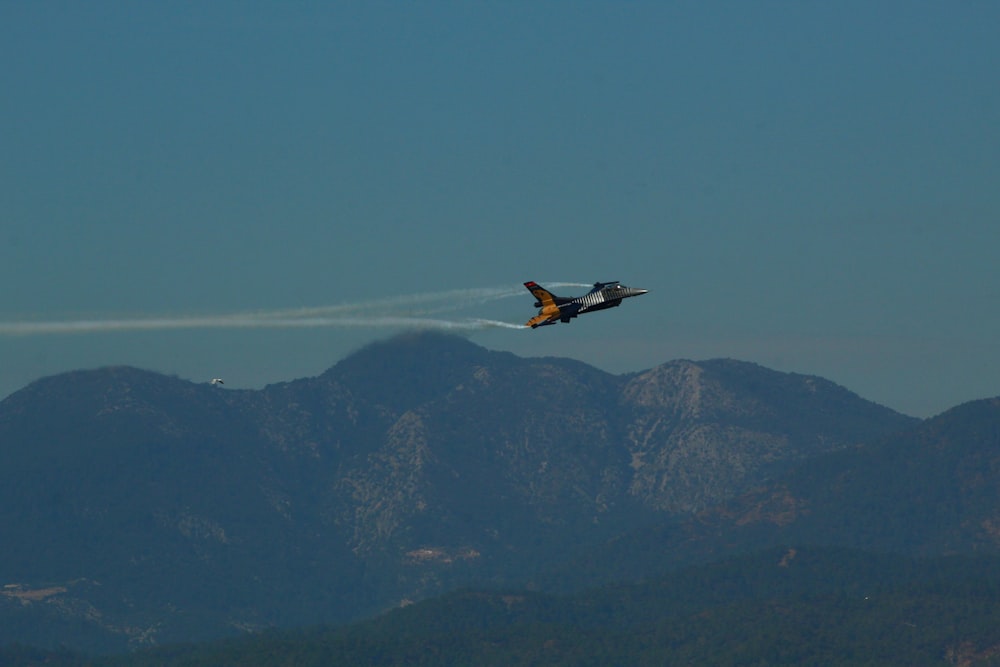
419,464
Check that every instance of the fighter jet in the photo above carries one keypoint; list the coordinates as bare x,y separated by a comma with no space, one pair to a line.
553,309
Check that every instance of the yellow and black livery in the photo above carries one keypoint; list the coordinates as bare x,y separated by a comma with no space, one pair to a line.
553,309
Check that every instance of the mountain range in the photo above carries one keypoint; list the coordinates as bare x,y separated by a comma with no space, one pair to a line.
140,509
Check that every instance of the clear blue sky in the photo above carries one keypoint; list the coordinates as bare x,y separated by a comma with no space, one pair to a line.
814,187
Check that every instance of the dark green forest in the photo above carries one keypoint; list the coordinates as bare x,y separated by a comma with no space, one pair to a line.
783,606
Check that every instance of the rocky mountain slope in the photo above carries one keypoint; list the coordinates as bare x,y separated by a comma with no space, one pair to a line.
139,508
930,490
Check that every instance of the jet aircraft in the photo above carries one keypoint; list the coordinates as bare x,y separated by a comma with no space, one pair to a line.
553,309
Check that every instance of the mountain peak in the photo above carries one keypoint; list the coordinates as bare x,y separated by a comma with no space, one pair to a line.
406,370
94,390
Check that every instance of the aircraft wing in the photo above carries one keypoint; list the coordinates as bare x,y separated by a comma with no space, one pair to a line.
542,320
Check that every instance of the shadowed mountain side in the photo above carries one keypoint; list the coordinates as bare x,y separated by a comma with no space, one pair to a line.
168,510
138,497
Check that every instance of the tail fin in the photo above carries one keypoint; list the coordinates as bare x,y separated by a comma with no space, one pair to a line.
545,297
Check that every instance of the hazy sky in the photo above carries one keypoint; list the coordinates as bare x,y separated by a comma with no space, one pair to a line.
814,187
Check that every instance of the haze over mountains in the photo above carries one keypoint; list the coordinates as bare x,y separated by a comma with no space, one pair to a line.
138,508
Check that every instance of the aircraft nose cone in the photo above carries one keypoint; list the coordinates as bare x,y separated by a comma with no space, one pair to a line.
636,291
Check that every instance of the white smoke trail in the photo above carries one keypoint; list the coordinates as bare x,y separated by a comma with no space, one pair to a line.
246,322
390,321
399,311
417,304
406,305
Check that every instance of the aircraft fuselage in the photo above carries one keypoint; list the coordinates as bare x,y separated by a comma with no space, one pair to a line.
553,309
